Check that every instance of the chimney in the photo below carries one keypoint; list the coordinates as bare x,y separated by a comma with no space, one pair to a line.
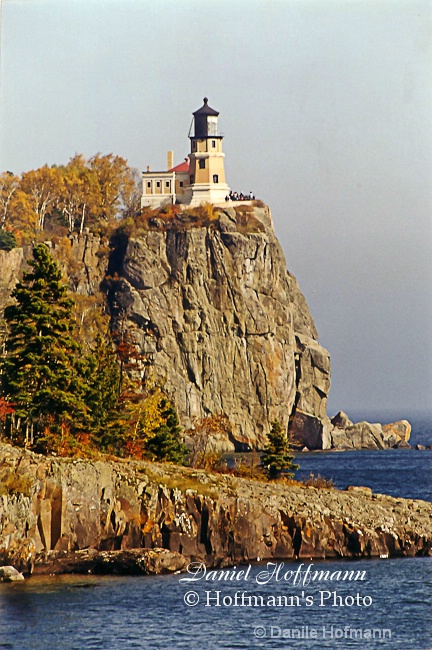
170,159
148,168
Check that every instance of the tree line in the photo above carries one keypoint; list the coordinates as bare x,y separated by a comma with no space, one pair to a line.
67,198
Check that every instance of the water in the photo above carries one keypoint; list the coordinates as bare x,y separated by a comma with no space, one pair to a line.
124,612
112,613
398,472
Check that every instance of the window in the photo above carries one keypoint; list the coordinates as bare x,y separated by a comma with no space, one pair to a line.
181,183
157,183
215,178
212,124
167,184
213,143
202,163
149,184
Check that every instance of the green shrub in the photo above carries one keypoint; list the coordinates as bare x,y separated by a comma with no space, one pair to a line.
7,240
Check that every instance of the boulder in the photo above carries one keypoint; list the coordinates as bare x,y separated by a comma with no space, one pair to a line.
362,435
401,429
10,574
402,444
360,489
341,420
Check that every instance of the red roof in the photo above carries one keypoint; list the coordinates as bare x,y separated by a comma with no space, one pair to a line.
182,167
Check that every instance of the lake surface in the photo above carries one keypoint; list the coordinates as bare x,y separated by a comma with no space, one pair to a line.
111,613
392,605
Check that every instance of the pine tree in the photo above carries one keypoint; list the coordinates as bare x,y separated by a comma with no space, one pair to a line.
277,457
7,240
107,416
166,444
42,372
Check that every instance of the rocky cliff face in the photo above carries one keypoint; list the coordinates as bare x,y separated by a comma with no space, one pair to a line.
221,322
65,505
224,325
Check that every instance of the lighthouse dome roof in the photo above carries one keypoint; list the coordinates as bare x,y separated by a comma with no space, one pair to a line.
205,109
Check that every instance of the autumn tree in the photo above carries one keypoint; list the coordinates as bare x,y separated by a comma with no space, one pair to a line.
151,423
44,187
6,409
16,209
42,372
8,187
277,457
80,194
117,186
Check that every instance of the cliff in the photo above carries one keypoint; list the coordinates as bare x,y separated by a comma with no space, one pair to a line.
210,304
222,324
52,506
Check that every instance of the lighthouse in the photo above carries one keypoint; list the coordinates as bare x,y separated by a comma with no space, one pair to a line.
206,159
200,178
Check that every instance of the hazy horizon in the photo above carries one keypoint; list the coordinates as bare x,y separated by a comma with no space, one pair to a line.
325,106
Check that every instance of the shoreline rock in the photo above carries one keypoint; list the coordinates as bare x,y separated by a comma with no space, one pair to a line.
10,574
74,505
142,561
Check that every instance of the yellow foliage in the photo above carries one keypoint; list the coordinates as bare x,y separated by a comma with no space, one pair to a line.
151,414
91,318
13,483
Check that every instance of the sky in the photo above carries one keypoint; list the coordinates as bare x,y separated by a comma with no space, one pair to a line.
326,109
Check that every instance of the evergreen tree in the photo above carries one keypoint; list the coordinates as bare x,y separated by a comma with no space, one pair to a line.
108,420
277,456
166,444
43,368
7,240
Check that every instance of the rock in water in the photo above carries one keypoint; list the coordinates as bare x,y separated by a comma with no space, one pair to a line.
400,429
364,435
10,574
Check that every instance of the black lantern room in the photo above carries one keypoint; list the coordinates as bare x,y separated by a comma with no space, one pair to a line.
206,122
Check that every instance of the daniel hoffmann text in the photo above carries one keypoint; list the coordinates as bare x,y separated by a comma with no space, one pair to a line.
302,576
